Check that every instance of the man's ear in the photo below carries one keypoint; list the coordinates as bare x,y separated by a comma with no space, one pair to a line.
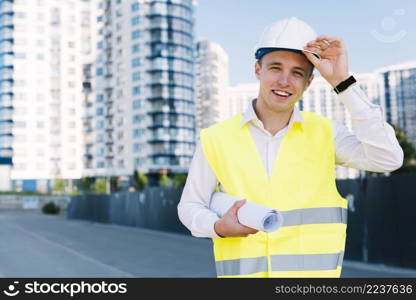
309,81
257,70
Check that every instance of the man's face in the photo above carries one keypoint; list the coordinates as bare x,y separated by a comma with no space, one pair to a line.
284,76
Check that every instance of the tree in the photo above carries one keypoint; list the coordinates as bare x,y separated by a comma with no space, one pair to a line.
179,179
86,184
58,186
139,180
114,184
58,183
100,186
164,180
409,162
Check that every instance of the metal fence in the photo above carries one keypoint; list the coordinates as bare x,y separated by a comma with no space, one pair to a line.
381,216
153,208
19,202
381,219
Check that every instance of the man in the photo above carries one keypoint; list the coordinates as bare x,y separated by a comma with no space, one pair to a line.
277,156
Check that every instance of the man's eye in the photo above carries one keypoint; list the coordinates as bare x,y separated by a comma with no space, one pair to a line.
298,74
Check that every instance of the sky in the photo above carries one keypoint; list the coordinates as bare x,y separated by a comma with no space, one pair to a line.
377,33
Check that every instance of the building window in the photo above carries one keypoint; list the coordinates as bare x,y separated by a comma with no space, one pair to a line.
137,148
135,21
120,135
121,163
137,133
137,118
136,91
20,15
100,164
20,55
137,104
135,48
99,125
135,76
99,111
135,34
139,162
100,98
99,72
135,62
135,6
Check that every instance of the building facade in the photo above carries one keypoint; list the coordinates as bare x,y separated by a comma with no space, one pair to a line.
211,83
143,116
239,97
43,46
397,95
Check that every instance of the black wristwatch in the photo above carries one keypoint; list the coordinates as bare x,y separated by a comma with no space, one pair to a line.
342,86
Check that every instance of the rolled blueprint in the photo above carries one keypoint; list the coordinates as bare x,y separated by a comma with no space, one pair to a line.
250,214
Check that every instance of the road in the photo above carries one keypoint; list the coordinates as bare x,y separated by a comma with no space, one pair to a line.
37,245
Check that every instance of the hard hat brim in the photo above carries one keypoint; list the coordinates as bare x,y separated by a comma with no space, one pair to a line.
262,51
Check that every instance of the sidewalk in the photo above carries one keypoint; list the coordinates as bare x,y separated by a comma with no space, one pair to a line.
361,269
36,245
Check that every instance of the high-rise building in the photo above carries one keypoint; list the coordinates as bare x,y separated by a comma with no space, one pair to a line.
239,97
43,47
211,83
397,95
6,93
143,114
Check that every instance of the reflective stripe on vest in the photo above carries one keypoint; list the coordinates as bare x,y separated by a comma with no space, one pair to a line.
320,215
285,262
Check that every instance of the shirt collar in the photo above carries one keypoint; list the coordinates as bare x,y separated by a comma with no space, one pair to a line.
250,115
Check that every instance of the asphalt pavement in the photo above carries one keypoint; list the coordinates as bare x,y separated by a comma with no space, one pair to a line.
37,245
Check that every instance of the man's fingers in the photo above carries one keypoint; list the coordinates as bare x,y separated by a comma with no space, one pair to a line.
331,41
236,206
312,58
328,38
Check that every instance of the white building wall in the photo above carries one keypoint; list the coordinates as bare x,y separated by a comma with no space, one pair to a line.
239,97
211,83
48,60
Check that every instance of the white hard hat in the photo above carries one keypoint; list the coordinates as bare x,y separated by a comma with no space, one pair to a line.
289,34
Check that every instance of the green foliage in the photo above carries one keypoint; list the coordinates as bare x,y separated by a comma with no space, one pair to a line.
50,208
75,191
26,193
114,185
140,180
58,186
409,163
86,184
164,180
179,180
100,186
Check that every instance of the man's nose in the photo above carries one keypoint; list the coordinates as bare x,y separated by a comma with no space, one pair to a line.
283,79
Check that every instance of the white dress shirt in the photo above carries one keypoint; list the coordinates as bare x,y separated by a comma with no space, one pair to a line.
373,147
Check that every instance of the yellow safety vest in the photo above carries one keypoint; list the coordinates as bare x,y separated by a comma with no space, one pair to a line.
311,241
